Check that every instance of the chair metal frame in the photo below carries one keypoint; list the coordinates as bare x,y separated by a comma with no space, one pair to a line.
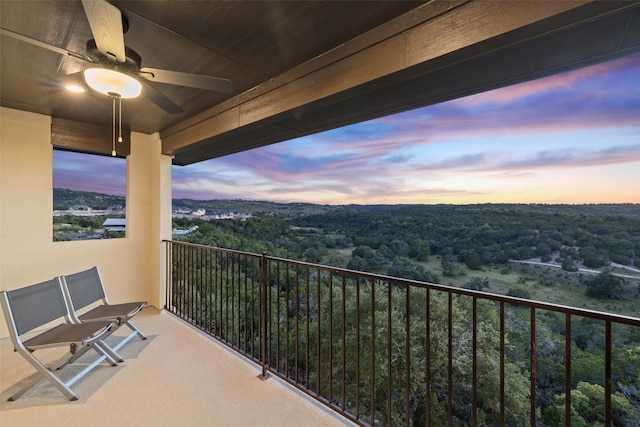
29,308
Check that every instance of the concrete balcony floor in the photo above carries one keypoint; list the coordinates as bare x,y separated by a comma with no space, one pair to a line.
177,377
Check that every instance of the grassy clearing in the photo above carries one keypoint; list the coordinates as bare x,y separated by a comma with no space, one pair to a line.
546,284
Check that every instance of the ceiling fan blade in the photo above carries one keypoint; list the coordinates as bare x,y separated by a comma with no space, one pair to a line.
43,45
159,99
105,21
185,79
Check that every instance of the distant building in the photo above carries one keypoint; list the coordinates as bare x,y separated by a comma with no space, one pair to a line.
193,229
230,215
80,208
202,215
225,215
114,224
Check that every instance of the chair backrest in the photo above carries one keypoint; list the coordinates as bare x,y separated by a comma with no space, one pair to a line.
85,287
33,306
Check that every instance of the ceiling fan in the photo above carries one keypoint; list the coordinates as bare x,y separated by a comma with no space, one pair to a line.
118,68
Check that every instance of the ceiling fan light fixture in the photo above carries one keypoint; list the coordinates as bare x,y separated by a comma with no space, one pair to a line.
109,82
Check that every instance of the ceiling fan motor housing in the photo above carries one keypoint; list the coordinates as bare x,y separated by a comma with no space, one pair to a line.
133,61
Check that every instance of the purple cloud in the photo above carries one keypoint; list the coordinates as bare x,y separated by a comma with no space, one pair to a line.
87,172
575,157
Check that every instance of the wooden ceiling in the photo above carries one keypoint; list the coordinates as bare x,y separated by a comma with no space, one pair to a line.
246,42
299,67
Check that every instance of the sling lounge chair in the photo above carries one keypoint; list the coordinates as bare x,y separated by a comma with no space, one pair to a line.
85,288
30,308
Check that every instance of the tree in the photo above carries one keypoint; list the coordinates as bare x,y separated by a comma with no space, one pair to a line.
543,249
364,258
449,267
473,260
569,265
399,248
518,293
594,262
408,269
477,283
605,286
420,250
587,408
313,254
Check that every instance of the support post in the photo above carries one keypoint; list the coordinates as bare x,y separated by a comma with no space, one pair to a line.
263,316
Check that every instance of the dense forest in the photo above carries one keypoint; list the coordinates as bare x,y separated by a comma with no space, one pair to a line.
477,235
64,198
585,256
558,244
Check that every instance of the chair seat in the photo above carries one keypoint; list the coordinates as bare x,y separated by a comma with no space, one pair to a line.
67,334
112,312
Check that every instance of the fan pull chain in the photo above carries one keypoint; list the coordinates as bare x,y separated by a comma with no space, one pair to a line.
120,119
113,147
113,96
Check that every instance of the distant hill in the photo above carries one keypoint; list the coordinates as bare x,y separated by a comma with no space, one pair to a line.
64,198
256,208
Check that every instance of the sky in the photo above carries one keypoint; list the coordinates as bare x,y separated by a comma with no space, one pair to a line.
570,138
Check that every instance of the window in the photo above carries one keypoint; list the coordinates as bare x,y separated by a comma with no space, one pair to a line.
89,196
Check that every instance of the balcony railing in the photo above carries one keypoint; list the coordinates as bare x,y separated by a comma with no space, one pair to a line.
388,351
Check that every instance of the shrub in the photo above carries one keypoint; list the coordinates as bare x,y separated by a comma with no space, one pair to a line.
518,293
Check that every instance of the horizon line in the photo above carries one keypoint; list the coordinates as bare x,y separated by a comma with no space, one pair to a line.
374,204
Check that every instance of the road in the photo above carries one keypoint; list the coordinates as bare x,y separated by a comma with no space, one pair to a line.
586,270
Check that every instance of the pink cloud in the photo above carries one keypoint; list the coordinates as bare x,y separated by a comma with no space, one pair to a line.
546,84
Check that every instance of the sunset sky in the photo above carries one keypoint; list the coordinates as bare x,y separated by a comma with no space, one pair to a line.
568,138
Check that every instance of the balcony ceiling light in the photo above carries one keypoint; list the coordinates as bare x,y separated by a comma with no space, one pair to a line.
112,83
74,88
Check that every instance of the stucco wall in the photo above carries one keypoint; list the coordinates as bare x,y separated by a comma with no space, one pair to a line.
132,267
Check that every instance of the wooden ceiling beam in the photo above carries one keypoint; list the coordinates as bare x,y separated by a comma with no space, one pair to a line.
429,34
87,138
